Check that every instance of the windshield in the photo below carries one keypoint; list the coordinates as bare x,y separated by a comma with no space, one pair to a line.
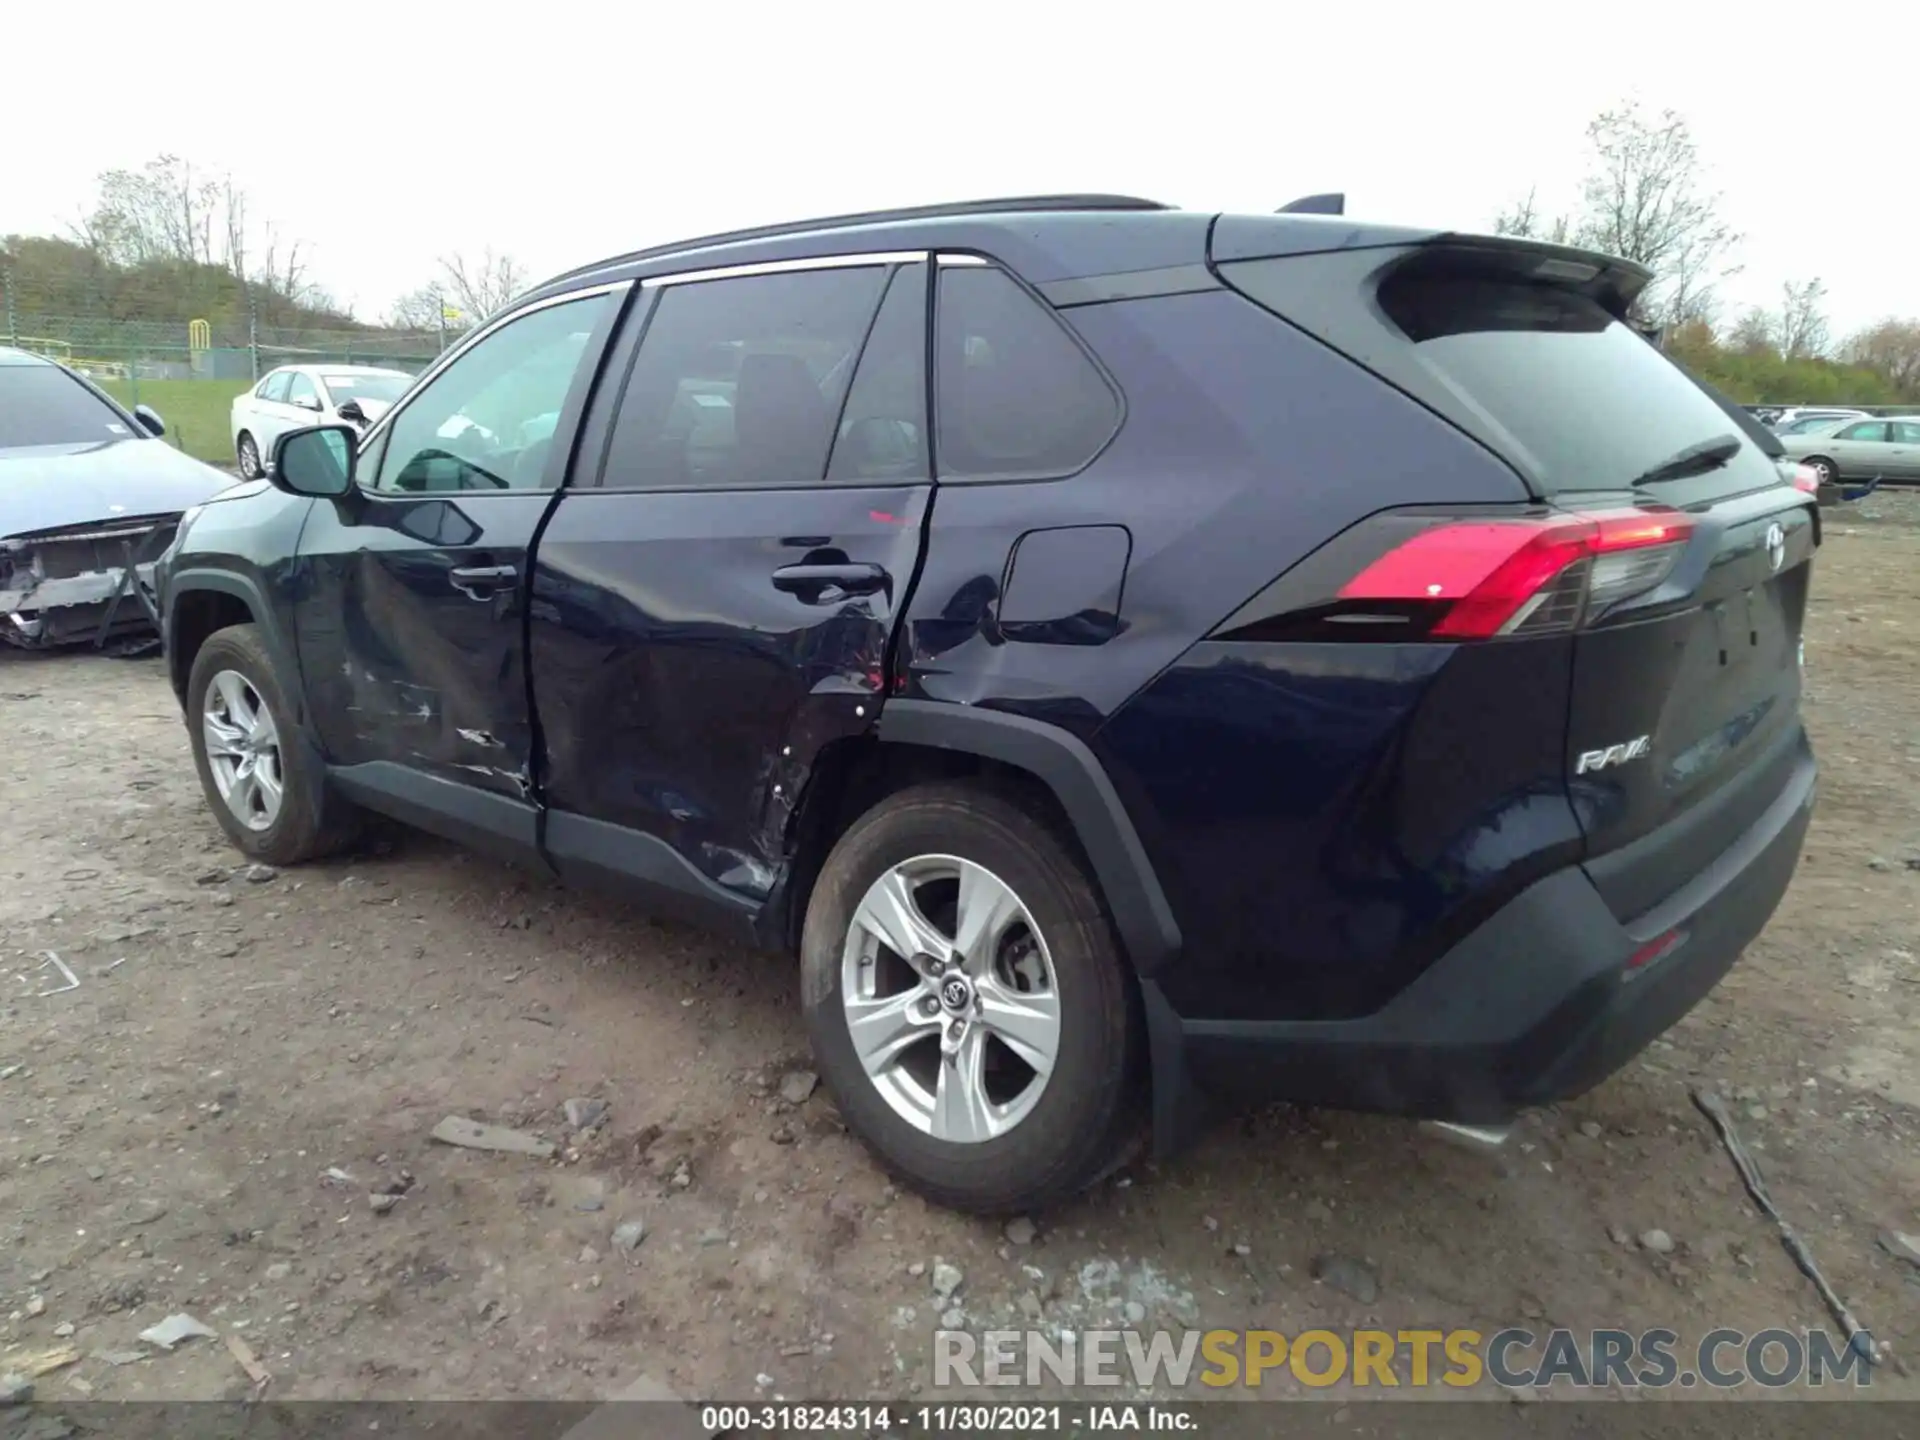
1812,424
44,405
384,388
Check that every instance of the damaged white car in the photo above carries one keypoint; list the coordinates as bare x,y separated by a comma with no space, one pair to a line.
89,498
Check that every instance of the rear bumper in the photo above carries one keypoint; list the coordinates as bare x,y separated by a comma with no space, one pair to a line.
1537,1005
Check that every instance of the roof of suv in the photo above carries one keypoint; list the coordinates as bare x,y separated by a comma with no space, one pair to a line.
10,356
1045,237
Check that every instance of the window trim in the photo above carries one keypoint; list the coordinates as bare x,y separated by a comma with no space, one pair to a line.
945,259
599,428
572,407
782,267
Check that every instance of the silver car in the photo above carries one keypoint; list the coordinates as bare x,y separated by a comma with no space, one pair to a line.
1887,446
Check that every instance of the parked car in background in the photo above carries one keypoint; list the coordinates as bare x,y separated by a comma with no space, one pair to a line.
297,395
1805,419
89,497
1883,447
1129,657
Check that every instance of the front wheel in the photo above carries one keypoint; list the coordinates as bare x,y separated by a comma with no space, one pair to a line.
967,1002
1824,470
263,782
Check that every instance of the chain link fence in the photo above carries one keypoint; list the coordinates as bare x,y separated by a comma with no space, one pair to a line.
190,370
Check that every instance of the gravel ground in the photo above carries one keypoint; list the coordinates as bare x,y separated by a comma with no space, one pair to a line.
208,1121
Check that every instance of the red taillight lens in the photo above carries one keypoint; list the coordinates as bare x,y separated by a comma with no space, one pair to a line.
1804,478
1506,577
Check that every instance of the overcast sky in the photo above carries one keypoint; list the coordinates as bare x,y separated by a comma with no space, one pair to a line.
384,135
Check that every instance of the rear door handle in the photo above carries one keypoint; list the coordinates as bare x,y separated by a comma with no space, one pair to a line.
813,582
479,581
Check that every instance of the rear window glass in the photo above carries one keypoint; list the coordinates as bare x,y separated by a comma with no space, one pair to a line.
43,405
1538,372
1586,402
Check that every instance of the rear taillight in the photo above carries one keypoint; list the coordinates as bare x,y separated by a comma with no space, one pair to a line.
1801,477
1524,576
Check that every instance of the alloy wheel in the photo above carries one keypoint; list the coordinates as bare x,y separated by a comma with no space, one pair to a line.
950,998
243,749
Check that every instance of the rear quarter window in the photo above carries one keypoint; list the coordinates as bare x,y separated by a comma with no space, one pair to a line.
1016,396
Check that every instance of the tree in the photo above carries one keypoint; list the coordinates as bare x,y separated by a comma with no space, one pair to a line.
477,288
1644,200
421,309
1525,221
1801,327
1753,334
1891,349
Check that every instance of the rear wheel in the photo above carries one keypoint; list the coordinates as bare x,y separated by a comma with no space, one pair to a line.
263,782
247,454
967,1003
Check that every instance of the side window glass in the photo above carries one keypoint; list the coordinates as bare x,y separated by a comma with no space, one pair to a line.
274,387
1865,430
300,391
486,422
739,382
883,426
1016,397
1906,434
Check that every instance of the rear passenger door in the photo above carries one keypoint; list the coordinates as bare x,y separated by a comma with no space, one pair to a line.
713,600
1903,459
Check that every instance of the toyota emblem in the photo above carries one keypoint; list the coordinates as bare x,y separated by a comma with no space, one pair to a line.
1776,547
956,992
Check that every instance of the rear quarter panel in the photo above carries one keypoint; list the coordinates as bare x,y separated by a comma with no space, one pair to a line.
1304,815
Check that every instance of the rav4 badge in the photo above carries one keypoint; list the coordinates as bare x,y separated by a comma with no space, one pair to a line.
1613,754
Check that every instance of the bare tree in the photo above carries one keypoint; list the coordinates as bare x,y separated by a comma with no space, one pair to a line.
1801,328
1525,221
1753,334
162,211
421,309
1891,350
1645,200
477,288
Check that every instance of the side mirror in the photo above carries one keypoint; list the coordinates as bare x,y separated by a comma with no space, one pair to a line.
350,410
150,420
308,402
315,461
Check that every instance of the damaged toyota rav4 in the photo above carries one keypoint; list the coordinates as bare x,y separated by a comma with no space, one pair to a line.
89,497
1133,659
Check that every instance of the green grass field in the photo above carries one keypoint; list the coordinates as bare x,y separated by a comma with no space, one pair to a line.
196,412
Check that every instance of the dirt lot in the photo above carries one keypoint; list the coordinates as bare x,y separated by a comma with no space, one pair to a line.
167,1128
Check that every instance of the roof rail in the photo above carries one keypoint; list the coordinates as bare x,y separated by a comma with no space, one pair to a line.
1332,203
1009,205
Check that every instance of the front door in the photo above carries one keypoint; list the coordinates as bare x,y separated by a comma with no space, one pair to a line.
715,612
410,616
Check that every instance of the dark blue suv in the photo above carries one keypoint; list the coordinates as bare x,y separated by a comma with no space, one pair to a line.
1131,657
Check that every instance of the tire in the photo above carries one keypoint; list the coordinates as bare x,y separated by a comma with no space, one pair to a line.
307,822
246,454
1824,470
1054,1142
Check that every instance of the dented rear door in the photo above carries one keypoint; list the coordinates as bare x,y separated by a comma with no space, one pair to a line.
716,611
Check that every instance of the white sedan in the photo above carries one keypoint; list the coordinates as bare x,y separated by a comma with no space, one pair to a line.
295,396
